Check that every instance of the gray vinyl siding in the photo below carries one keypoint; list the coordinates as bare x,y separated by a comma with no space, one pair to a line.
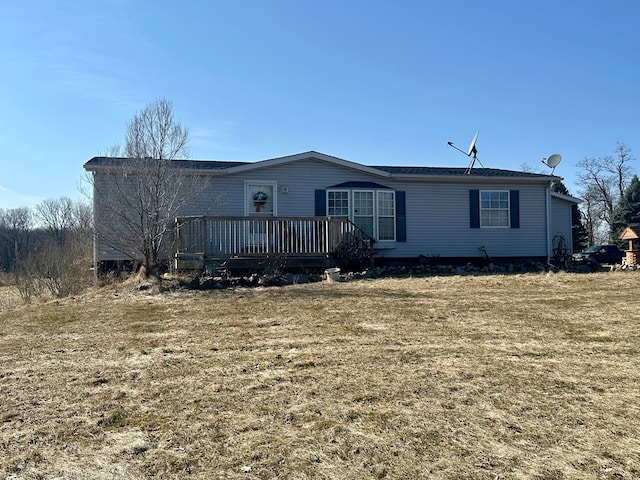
301,179
438,223
107,249
437,213
561,220
103,188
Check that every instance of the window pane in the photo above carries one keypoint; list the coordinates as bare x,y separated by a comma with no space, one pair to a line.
386,228
365,223
338,204
503,200
494,209
495,218
363,211
363,203
386,216
386,207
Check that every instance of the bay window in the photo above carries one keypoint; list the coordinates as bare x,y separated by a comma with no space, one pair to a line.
373,211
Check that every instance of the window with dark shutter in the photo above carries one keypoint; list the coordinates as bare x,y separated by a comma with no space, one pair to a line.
474,208
494,208
514,205
321,203
401,217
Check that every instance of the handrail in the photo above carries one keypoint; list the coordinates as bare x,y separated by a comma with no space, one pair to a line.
220,237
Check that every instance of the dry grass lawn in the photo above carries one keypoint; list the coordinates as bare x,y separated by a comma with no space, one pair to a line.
478,377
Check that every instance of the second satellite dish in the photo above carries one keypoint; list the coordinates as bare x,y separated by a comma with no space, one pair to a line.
553,161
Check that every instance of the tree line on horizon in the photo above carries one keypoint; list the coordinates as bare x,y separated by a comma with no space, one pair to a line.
47,248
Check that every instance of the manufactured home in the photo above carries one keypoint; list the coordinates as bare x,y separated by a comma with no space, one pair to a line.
305,205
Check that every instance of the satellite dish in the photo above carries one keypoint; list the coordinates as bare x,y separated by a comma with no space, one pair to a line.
472,151
472,146
553,161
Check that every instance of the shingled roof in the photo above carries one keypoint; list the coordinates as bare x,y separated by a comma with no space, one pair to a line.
190,164
456,171
221,166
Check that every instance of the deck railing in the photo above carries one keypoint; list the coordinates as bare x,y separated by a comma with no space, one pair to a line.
205,238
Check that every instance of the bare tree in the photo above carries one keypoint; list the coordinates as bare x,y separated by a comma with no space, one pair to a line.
16,225
83,217
56,215
58,259
619,167
599,185
154,133
592,216
603,181
137,198
525,167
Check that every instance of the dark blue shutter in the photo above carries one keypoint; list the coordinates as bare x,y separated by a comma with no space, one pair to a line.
401,217
321,203
474,208
514,203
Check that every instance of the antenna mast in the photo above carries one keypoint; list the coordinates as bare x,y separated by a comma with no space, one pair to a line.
473,150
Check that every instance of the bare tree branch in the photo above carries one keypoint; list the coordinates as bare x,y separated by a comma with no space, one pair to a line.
16,226
603,181
136,199
619,167
154,133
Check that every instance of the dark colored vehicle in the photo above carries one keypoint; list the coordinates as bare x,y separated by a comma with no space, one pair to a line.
599,254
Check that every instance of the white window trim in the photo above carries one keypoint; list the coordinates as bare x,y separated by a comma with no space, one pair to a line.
480,209
350,200
374,215
395,207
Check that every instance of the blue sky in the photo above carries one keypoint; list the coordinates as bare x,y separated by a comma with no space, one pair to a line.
376,82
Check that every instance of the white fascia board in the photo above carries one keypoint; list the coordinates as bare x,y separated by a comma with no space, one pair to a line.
566,198
470,179
192,171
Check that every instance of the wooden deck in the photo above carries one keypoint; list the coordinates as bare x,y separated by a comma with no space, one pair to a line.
249,242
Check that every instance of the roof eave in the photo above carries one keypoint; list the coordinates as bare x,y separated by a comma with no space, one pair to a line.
111,167
567,198
470,178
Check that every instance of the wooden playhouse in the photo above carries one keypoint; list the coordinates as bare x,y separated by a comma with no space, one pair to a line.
632,234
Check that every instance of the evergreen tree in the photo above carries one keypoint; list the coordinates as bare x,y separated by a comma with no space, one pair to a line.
578,231
627,212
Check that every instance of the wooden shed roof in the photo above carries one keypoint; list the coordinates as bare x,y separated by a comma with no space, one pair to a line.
632,232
